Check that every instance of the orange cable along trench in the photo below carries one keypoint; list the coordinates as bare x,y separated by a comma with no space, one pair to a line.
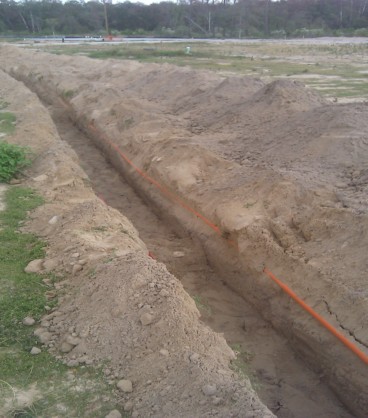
174,198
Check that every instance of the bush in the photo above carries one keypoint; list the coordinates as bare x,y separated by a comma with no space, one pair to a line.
13,159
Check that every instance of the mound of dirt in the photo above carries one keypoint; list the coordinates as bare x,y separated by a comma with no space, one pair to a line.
279,172
286,95
117,306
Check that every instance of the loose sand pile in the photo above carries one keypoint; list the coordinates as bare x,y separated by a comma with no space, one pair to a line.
116,305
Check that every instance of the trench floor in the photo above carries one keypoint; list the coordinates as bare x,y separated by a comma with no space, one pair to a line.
282,380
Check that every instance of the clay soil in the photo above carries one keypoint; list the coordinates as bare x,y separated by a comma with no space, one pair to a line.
279,170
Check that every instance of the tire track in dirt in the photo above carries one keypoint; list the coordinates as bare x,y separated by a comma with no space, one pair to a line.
282,381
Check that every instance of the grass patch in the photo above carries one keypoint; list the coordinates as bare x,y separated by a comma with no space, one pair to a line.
52,389
68,94
241,365
7,121
13,159
202,304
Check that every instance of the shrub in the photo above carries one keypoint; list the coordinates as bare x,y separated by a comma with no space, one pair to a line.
13,159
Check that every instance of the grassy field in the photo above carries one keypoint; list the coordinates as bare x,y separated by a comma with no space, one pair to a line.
337,71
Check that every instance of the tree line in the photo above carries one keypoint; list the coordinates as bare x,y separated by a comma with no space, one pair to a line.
186,18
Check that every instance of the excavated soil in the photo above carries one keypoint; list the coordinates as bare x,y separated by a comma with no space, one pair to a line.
282,173
117,307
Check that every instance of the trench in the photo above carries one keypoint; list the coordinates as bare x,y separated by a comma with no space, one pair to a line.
282,380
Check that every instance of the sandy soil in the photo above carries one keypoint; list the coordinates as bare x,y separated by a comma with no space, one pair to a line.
282,173
116,305
282,380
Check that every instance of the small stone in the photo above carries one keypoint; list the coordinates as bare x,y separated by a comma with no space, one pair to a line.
114,414
29,321
75,255
194,357
125,386
146,319
209,390
53,220
66,347
35,266
47,308
45,337
35,350
178,254
128,406
164,352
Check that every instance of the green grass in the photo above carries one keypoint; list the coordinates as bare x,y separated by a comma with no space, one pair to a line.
7,121
68,94
202,304
58,390
241,365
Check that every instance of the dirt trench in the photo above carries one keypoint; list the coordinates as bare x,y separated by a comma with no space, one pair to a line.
284,383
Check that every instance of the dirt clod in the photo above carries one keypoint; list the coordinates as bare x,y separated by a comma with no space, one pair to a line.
125,386
28,321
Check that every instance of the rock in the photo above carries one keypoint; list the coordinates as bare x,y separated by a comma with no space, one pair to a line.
29,321
53,220
35,351
66,347
164,352
125,386
128,406
146,319
178,254
209,390
114,414
35,266
75,255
